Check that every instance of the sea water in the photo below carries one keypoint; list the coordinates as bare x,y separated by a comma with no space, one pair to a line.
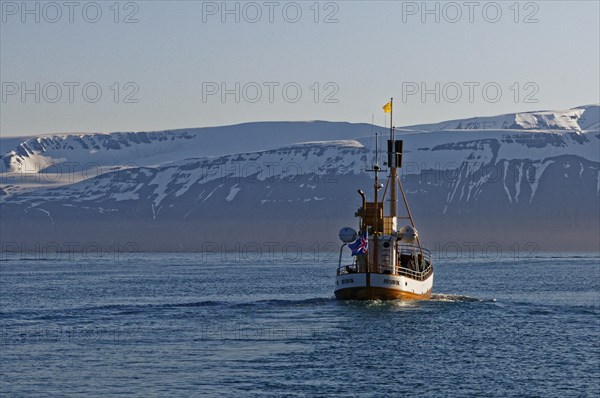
253,325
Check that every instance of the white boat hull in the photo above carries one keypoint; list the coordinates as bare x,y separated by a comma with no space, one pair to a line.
359,286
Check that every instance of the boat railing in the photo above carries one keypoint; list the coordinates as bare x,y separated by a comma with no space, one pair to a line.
413,274
411,250
413,262
403,271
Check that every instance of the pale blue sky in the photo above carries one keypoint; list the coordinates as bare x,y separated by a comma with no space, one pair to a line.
369,55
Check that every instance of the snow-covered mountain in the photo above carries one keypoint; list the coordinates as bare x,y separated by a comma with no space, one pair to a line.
576,119
477,181
75,152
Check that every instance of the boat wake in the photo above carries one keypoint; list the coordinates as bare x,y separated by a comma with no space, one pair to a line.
436,297
457,298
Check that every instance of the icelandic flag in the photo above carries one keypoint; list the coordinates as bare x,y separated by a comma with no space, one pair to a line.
360,246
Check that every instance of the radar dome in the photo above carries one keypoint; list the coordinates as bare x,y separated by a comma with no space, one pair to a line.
348,235
408,234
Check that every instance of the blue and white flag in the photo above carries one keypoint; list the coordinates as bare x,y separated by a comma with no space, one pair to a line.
360,246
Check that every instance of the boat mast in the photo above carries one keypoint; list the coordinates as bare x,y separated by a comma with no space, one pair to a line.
392,164
376,197
394,161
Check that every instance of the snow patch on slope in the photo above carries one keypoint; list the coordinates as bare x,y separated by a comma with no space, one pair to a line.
233,191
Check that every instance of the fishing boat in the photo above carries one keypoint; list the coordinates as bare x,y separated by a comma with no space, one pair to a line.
388,262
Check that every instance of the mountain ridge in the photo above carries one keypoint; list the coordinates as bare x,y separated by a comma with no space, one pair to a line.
38,153
465,185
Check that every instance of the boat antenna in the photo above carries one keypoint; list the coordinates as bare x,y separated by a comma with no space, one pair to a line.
372,125
376,148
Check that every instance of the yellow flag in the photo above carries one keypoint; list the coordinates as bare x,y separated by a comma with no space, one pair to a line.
387,108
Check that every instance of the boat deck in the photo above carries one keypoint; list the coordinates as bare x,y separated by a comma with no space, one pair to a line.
413,262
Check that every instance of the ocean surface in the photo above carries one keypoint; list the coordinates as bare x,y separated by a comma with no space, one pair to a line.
249,325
